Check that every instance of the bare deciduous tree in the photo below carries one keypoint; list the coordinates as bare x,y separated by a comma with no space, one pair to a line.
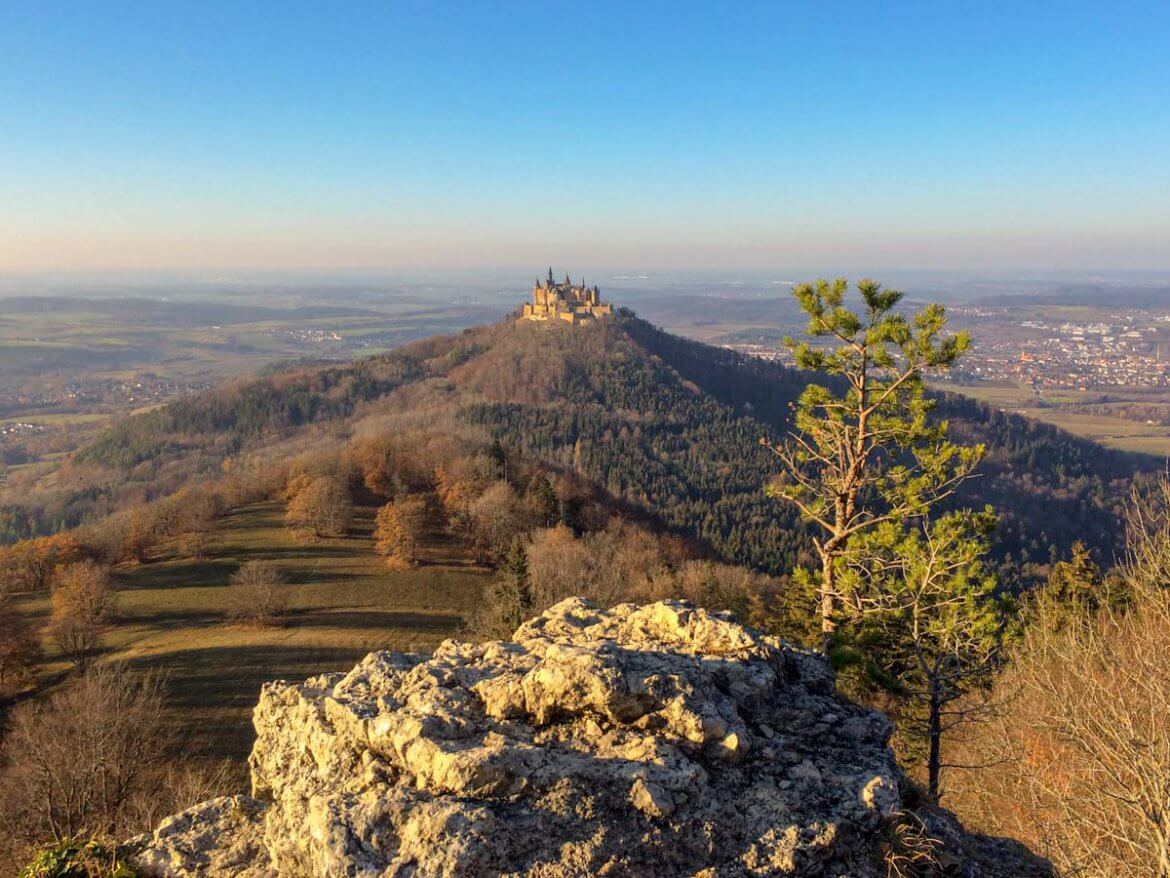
496,522
398,529
196,544
321,508
78,761
258,593
559,566
83,601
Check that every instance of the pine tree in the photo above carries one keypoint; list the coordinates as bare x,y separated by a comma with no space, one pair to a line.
512,591
499,458
542,502
863,451
1073,588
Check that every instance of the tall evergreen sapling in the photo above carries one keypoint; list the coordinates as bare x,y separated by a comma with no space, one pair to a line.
863,450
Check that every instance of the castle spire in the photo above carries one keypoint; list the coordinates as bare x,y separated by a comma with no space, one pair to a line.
550,277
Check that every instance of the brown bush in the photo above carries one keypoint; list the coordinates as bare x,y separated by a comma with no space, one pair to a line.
1077,763
626,563
93,759
497,521
78,761
196,544
142,533
559,566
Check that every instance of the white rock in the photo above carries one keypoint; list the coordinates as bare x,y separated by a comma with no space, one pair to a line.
626,742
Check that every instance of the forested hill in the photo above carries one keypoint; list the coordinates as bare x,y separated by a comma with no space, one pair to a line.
1050,487
675,425
666,424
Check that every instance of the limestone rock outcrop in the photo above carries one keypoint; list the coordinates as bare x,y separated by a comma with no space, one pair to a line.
655,740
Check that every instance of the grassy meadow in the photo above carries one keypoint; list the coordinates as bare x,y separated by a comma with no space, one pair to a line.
173,617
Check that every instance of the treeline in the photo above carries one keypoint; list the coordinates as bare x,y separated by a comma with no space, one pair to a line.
548,533
1053,488
1130,410
256,408
56,512
686,472
149,455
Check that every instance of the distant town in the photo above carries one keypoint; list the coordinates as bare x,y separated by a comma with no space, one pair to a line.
114,393
1127,348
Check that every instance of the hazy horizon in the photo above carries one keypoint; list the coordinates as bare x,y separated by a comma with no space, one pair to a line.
503,288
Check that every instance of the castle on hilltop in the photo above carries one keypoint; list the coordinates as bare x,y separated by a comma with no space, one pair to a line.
573,303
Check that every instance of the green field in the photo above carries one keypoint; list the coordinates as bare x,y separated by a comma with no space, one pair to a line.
344,602
1121,433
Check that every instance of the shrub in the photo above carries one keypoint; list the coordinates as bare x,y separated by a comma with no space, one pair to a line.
1076,764
81,761
75,858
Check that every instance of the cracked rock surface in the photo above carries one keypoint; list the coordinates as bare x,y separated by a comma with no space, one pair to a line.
640,740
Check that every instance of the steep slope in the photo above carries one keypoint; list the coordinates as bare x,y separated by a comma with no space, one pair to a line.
668,425
646,740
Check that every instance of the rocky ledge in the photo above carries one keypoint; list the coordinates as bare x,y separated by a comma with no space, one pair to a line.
655,740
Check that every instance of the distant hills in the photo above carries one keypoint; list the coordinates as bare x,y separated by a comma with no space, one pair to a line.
158,312
1093,295
669,426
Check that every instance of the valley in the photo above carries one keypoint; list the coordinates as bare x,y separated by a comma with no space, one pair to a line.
1128,419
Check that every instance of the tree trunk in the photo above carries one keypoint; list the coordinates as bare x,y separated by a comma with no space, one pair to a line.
1162,832
828,590
934,733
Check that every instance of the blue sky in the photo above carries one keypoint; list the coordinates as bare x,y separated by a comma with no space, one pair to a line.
383,134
